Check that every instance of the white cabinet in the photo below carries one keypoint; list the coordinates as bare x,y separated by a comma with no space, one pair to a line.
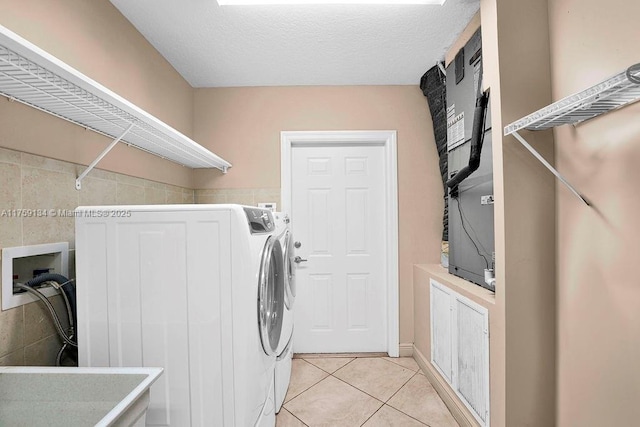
460,347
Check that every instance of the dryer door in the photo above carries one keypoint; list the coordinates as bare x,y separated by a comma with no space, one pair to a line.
289,270
271,296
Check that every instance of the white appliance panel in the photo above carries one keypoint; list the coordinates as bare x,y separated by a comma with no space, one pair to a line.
148,321
175,287
209,318
92,306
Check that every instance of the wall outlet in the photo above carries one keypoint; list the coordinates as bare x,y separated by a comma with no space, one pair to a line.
486,200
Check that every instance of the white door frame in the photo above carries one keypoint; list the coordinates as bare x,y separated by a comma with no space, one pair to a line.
386,139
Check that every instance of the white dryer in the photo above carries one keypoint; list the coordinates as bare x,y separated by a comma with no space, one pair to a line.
176,286
285,349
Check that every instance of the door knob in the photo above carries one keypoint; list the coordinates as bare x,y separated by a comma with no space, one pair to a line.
298,260
297,244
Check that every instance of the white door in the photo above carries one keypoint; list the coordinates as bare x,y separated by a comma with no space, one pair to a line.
338,216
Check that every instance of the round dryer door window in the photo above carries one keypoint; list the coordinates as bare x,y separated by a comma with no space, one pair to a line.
271,295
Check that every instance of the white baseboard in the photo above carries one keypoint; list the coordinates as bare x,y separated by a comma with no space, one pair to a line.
406,350
446,393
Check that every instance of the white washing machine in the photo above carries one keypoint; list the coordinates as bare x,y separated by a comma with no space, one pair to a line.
176,286
285,349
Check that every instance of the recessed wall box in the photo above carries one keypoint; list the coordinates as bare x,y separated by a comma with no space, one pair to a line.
23,261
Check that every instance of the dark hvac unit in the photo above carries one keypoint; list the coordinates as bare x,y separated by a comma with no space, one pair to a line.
471,229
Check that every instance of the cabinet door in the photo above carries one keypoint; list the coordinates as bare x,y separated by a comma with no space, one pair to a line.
470,349
460,347
441,330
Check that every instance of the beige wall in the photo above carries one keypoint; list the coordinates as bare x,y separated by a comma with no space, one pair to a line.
598,246
517,53
34,182
525,217
94,38
244,124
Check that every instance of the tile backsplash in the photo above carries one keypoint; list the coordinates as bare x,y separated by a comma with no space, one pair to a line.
33,183
241,196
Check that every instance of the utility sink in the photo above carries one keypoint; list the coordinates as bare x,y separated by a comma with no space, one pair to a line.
74,397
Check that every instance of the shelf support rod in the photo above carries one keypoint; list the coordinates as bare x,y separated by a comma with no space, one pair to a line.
104,153
548,166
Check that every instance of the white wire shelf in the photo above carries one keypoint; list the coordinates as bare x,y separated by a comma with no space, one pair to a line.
616,92
30,75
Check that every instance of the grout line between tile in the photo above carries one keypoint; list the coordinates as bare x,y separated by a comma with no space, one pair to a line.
400,410
390,360
384,402
371,416
293,397
326,372
351,385
293,415
405,383
413,418
330,373
403,367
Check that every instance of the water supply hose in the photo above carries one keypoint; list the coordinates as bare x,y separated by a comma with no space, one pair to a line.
67,288
68,339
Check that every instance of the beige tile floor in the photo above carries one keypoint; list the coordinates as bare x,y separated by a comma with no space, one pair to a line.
361,391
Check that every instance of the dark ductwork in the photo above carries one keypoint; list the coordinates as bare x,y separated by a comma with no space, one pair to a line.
433,86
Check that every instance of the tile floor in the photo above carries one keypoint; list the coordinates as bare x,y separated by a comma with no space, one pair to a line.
361,391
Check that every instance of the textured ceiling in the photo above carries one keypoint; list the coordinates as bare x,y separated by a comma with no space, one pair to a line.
213,46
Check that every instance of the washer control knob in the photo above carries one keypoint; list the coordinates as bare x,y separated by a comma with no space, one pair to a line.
297,244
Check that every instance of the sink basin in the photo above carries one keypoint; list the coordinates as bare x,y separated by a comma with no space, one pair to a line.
70,397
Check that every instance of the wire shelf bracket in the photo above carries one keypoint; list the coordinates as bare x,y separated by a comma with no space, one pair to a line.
609,95
36,78
100,156
548,166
